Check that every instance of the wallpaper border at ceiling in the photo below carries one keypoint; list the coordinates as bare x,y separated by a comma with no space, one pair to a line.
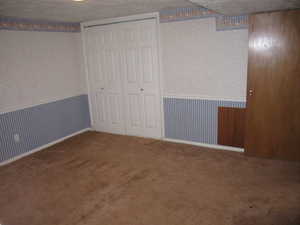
231,22
11,23
222,22
169,15
179,14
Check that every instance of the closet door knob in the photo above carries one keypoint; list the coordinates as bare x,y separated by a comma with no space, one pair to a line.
142,89
102,88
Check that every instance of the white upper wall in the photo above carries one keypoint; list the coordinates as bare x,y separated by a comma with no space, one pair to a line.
199,61
39,67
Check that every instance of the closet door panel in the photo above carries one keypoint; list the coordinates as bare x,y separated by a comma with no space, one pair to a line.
114,113
141,85
134,119
149,84
147,65
150,79
99,112
113,77
113,89
132,92
95,59
104,67
132,65
112,69
96,79
150,111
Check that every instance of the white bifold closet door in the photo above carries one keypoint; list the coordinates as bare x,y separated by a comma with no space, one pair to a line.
124,78
104,70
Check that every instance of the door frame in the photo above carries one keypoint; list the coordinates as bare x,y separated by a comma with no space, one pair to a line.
155,15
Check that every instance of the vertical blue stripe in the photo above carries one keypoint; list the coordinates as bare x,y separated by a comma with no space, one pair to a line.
42,124
194,119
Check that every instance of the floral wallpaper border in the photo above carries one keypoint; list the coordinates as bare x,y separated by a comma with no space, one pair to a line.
179,14
222,22
11,23
166,16
231,22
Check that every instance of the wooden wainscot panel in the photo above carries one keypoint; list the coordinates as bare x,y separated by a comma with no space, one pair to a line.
231,126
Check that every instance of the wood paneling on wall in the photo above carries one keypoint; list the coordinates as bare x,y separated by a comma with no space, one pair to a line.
231,126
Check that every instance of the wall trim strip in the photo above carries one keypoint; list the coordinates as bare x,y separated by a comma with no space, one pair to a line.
204,97
40,102
43,147
217,147
20,24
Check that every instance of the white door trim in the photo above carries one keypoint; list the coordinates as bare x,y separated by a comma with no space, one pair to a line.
83,40
161,80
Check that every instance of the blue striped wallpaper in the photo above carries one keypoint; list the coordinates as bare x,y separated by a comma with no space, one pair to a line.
42,124
194,119
185,119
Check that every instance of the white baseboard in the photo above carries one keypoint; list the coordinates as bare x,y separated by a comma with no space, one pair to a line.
42,147
219,147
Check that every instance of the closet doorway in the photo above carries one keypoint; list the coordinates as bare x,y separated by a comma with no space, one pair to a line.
122,65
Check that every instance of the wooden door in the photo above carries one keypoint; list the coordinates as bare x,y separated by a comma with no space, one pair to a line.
141,79
273,98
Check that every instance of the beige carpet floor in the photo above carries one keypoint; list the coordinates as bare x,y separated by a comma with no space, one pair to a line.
104,179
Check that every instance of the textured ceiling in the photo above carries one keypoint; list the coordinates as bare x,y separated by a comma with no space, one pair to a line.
237,7
70,11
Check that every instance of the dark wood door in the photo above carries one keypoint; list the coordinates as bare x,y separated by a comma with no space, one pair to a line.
273,98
